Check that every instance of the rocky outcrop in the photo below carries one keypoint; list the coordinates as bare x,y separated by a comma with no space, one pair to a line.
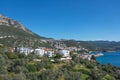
4,20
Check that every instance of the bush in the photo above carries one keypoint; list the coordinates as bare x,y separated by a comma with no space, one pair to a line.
31,68
11,55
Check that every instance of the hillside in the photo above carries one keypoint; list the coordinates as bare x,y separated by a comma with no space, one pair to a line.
4,20
95,45
11,36
13,33
15,66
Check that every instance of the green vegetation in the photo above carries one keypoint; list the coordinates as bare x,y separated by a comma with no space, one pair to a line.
16,66
13,36
94,45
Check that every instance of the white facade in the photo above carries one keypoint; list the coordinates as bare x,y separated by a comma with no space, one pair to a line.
67,58
39,52
50,53
26,51
65,53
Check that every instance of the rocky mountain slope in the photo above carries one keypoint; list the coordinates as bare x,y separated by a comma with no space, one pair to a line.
4,20
13,33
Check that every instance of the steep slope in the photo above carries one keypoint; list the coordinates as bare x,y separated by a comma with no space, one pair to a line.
13,33
4,20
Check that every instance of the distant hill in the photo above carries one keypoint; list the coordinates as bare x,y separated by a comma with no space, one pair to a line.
94,45
104,45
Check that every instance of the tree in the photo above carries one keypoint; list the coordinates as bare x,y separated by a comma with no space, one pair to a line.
11,55
58,55
93,57
3,65
31,68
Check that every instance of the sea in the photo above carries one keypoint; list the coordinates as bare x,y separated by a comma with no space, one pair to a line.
110,58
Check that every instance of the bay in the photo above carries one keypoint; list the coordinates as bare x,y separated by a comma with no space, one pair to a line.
110,58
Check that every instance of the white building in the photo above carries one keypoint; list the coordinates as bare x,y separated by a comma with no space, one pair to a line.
65,53
85,56
67,58
26,51
39,51
50,53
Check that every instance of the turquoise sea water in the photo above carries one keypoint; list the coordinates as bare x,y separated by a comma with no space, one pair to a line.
110,57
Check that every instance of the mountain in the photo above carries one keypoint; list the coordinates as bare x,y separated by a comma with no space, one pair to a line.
4,20
95,45
13,33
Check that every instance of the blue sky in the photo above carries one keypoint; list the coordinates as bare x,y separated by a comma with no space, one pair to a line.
67,19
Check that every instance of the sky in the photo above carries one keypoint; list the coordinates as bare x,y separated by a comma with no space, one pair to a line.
67,19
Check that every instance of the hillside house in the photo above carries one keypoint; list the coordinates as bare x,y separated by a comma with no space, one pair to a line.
39,51
24,50
65,53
